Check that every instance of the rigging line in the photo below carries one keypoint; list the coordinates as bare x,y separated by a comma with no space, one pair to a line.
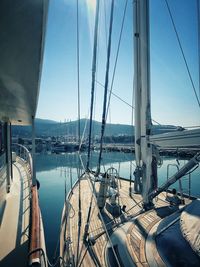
90,214
198,30
83,134
94,61
97,65
105,18
126,157
99,212
182,52
103,223
86,232
117,55
125,102
78,68
113,223
106,224
103,124
133,93
84,255
116,96
78,87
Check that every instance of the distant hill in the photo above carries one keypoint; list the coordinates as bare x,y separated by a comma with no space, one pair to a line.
41,127
52,128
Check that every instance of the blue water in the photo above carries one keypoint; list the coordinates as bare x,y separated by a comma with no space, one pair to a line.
53,174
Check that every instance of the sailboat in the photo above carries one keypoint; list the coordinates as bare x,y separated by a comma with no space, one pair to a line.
22,35
109,221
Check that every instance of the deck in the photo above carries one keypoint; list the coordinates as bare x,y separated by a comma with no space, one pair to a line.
14,230
138,228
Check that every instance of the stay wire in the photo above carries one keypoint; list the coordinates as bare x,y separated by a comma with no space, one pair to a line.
182,52
94,67
78,87
83,134
105,19
132,115
122,100
117,55
103,123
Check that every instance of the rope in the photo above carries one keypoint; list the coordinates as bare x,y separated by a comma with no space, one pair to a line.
46,260
81,261
94,61
88,217
104,225
42,253
103,124
182,52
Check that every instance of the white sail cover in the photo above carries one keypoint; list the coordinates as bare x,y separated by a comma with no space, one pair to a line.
190,225
22,30
185,138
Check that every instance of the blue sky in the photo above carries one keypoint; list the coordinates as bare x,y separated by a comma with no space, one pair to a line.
173,100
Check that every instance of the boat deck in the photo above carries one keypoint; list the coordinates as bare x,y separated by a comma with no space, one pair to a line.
14,228
136,233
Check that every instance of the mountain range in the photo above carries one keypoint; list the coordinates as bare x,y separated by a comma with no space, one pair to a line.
46,128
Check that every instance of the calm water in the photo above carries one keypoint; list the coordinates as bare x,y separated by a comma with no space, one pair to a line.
53,174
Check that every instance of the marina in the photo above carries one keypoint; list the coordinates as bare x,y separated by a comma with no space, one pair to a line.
117,184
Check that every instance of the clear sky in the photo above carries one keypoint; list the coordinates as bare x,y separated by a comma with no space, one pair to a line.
173,100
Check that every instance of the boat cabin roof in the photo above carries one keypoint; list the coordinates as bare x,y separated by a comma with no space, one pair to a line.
21,52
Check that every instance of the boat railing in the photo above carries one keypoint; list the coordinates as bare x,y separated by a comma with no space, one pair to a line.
176,166
184,182
187,179
188,168
35,248
24,154
67,253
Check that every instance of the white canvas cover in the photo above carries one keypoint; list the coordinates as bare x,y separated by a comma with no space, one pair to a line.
190,225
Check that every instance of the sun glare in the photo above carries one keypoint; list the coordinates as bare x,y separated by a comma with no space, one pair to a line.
91,4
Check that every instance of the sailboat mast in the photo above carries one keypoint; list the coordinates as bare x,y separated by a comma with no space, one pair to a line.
143,122
137,87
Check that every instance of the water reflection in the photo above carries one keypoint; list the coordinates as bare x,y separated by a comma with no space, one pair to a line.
46,162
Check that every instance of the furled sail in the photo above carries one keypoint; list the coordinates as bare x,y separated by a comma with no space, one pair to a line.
185,138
